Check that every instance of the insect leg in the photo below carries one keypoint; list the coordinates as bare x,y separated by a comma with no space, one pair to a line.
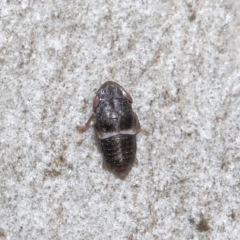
84,128
138,126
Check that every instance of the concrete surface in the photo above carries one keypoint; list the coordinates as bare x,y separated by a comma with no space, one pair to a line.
180,62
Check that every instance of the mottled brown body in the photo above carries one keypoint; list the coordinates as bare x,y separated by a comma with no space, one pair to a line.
119,151
116,126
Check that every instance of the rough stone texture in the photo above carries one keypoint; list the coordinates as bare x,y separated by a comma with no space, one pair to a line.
179,60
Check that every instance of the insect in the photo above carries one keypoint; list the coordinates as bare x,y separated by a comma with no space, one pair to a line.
116,126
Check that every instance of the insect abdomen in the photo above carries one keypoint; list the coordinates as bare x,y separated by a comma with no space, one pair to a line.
119,151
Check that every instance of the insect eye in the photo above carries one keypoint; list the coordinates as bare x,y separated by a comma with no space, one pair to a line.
96,102
127,96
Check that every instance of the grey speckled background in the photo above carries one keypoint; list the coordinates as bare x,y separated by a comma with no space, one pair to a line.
179,60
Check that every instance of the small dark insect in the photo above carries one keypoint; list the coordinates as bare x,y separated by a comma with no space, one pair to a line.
116,126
